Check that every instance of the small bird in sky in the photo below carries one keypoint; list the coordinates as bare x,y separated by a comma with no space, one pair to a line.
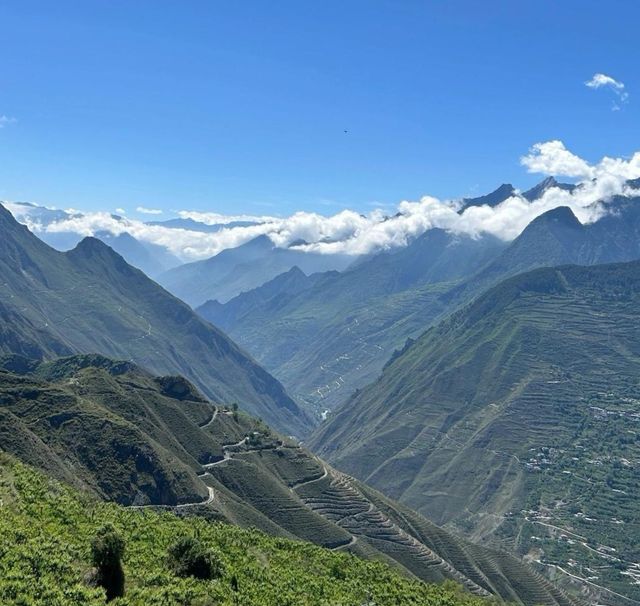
346,131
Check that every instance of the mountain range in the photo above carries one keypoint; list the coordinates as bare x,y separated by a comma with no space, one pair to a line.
494,398
333,334
514,421
240,269
89,300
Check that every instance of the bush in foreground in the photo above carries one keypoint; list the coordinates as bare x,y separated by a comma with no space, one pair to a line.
189,558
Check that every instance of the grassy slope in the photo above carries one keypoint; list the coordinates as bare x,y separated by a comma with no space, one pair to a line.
120,433
90,300
47,530
518,411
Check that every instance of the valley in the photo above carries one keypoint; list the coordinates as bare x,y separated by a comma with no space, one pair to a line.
326,335
319,304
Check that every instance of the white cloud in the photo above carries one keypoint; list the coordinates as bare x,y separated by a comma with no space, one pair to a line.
121,211
4,120
599,80
553,158
618,88
353,233
148,211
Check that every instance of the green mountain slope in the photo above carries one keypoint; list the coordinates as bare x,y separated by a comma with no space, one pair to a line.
515,420
47,531
115,431
89,300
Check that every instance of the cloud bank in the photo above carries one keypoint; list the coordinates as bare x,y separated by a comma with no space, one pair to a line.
349,232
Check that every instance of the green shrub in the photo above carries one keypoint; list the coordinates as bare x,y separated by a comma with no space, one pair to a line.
188,558
107,549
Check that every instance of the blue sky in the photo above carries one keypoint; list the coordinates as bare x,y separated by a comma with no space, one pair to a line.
242,106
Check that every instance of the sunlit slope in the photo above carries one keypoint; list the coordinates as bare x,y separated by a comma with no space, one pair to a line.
47,531
115,431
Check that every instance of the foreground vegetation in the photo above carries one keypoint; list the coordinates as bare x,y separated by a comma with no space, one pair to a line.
118,433
49,532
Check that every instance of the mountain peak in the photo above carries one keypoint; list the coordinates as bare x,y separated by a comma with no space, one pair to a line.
506,190
262,241
538,190
91,246
562,215
93,249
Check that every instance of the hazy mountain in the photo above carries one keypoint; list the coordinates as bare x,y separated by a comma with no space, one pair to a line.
152,259
38,214
90,300
114,430
334,332
515,419
268,298
193,225
243,268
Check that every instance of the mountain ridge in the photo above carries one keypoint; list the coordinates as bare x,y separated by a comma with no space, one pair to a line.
89,300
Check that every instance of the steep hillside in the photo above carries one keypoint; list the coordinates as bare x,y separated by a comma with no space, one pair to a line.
45,558
90,300
243,268
115,431
515,420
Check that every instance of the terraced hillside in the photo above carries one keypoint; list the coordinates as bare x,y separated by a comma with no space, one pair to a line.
45,558
89,300
515,421
118,432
